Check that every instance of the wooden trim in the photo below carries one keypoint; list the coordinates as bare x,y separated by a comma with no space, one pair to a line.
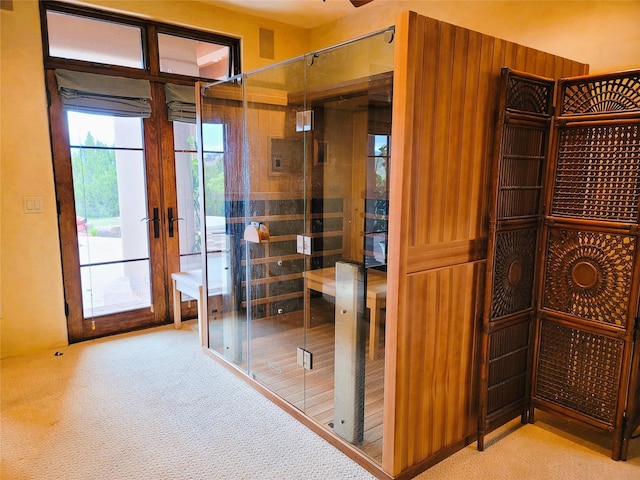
432,460
407,66
446,254
63,178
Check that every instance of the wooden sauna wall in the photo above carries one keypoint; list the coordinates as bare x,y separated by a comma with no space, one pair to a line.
446,81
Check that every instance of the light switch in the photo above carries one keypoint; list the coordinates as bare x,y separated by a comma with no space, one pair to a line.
32,204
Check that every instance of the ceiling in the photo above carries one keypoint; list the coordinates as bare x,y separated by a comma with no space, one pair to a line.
301,13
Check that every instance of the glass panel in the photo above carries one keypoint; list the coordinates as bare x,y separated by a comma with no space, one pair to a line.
80,38
195,58
188,192
115,287
222,170
276,157
109,188
349,91
309,217
376,199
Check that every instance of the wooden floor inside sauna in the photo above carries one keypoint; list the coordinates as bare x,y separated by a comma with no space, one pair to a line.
274,365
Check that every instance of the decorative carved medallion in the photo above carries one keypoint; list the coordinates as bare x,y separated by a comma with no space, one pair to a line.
588,274
513,272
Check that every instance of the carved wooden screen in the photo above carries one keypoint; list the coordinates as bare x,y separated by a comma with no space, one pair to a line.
586,356
518,171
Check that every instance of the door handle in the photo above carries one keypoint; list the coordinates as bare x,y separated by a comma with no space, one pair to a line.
156,222
171,220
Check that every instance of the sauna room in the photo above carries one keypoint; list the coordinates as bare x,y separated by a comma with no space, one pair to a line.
373,266
404,240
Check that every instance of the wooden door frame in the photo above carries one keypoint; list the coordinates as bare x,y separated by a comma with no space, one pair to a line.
155,138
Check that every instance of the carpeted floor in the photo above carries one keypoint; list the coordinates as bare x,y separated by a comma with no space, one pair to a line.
152,405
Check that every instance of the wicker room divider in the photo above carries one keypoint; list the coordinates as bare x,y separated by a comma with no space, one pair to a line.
518,171
581,360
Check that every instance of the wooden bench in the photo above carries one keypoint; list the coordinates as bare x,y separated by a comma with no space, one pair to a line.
324,280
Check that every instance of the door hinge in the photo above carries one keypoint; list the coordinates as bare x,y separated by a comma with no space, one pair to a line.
66,309
304,358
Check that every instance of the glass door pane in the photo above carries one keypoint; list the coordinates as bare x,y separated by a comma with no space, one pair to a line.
276,147
349,90
110,194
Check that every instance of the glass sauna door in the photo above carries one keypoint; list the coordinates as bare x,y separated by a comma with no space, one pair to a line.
348,95
306,163
276,209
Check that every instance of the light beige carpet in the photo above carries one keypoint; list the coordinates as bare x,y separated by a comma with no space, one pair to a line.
152,405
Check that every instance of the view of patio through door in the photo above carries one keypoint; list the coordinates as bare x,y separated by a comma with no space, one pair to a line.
122,120
109,188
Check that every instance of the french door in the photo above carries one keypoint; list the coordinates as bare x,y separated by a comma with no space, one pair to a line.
116,195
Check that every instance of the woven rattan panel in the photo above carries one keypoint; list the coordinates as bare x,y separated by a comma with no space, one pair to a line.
518,174
529,96
523,158
513,272
602,95
597,173
508,374
589,275
579,370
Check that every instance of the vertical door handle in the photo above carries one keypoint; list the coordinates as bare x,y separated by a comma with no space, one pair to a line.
171,220
156,222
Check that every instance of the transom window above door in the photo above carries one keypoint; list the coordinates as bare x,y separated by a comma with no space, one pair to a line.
83,35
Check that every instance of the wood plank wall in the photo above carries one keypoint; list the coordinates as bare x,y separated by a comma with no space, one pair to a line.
446,82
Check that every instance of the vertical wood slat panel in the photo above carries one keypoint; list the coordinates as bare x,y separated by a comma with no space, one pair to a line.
408,61
435,224
454,140
468,138
437,177
428,122
441,380
481,136
445,97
